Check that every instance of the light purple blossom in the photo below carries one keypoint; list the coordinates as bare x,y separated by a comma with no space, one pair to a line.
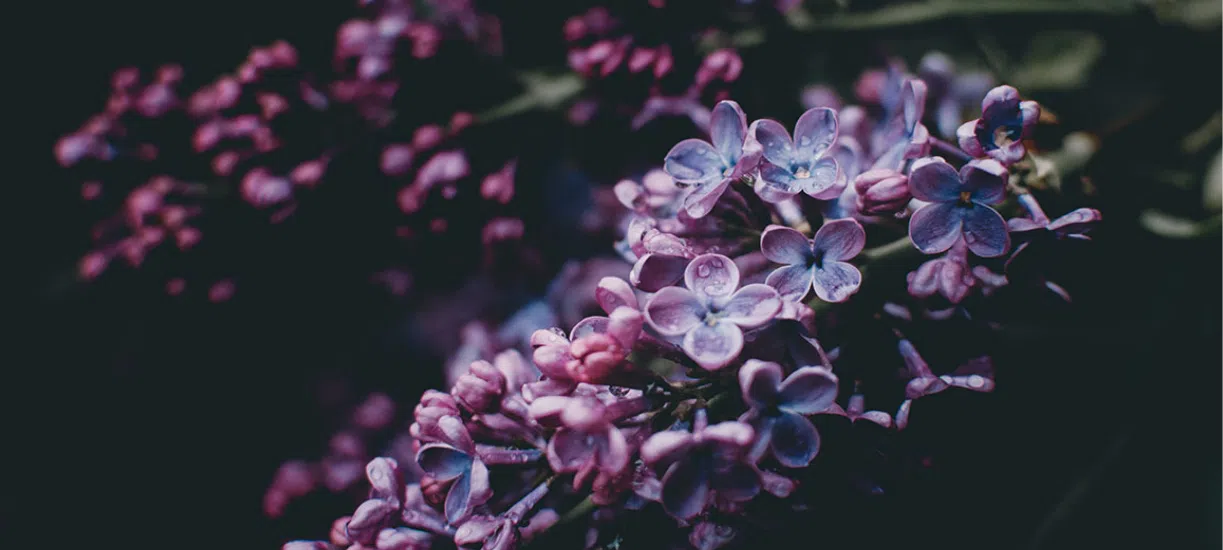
904,136
456,460
818,263
777,409
710,314
710,168
1005,122
700,463
586,435
959,206
802,163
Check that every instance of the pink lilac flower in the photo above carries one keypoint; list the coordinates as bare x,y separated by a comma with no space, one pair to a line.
456,459
710,314
708,460
1005,122
818,263
777,409
958,206
799,164
882,191
586,436
950,276
711,167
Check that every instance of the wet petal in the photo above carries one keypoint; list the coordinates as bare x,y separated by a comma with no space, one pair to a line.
546,410
795,441
784,245
985,232
759,381
732,436
685,488
933,180
935,227
591,325
824,175
613,451
966,135
569,450
776,184
1000,105
815,131
674,311
693,161
739,483
774,141
840,239
700,201
836,281
728,130
985,179
614,292
663,448
653,272
711,276
458,500
792,281
455,433
442,462
752,306
625,326
713,347
808,390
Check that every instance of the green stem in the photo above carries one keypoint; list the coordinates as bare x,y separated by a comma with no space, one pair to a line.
898,248
916,13
580,510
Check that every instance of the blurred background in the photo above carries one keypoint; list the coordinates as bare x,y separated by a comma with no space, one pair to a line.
154,419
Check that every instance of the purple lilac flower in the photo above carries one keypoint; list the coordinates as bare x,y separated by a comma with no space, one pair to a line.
799,164
818,263
710,314
777,409
1072,225
707,460
710,168
976,375
457,460
905,137
949,275
586,435
958,206
500,532
882,191
856,411
1005,122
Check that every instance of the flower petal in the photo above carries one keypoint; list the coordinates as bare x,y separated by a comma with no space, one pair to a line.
693,161
653,272
546,410
713,347
752,306
795,441
935,227
614,292
784,245
815,131
728,130
762,426
1000,105
933,180
732,436
613,451
711,276
442,462
792,281
774,141
776,184
704,197
663,448
685,487
985,232
1076,222
840,239
738,483
808,390
759,381
966,135
673,311
985,179
913,101
824,175
568,450
458,500
836,281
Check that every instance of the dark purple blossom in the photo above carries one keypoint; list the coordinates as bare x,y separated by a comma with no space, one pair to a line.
958,206
1005,122
802,163
975,375
700,463
710,168
710,314
818,263
777,409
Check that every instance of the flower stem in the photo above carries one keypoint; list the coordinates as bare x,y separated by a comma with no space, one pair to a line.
949,149
895,249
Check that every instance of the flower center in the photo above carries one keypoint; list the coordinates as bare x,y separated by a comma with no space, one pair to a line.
965,198
713,317
802,173
730,169
1002,136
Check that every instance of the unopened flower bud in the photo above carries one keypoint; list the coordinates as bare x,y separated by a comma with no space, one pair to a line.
480,389
882,191
595,356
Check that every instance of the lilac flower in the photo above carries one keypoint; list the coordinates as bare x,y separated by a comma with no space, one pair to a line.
817,263
586,436
949,275
882,191
856,411
456,460
777,409
802,164
710,314
1005,122
499,532
711,167
1072,225
904,137
595,348
976,375
703,462
958,206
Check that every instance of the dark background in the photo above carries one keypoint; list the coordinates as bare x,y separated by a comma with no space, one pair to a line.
145,421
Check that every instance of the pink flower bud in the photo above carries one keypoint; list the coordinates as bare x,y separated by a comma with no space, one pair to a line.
480,389
396,159
338,535
369,518
882,191
594,358
92,265
375,413
948,276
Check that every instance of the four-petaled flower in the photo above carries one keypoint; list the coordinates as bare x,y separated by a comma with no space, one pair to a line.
799,164
699,463
959,206
586,437
710,168
817,263
710,314
1005,122
457,460
777,409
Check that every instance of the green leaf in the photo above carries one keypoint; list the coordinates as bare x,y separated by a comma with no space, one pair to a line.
1199,15
914,13
1172,227
1212,188
1058,61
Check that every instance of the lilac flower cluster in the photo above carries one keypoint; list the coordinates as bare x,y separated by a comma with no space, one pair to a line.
701,389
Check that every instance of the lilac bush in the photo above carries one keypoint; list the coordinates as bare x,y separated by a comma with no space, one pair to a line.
704,391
